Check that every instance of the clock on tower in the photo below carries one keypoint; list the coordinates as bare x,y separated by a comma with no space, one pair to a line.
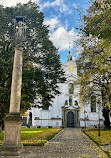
71,68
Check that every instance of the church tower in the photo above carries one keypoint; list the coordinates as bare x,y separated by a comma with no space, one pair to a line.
70,110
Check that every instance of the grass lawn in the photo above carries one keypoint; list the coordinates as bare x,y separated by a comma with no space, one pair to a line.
104,139
109,153
35,136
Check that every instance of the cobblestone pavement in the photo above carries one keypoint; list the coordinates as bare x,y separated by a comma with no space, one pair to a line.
69,143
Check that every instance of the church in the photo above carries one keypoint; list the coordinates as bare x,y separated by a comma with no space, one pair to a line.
66,110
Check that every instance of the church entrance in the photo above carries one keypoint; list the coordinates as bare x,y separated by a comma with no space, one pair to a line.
70,119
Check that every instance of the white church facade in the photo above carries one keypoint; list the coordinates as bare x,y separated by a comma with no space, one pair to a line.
66,109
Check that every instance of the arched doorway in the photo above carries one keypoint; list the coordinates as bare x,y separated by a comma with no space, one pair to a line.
70,119
30,120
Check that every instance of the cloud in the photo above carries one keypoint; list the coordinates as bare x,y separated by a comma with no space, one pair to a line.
60,35
57,5
50,4
61,38
9,3
53,23
75,6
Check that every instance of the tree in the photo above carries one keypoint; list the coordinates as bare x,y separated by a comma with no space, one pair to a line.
41,63
94,62
95,75
97,22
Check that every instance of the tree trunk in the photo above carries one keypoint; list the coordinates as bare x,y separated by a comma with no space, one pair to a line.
106,113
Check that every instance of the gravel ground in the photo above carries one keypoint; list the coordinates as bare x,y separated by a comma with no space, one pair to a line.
69,143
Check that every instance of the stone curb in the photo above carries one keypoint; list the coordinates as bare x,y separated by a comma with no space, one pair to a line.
53,137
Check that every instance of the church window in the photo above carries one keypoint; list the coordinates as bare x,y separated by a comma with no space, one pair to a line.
93,103
45,108
71,88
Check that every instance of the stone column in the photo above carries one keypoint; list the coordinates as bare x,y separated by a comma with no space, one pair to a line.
12,139
16,82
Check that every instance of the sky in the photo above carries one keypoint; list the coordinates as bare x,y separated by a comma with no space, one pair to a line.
63,18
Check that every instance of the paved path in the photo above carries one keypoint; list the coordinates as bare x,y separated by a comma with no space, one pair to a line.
70,143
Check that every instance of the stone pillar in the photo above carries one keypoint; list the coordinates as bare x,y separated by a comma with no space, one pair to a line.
12,140
63,117
16,82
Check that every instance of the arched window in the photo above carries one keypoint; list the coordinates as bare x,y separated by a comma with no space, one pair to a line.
93,103
71,88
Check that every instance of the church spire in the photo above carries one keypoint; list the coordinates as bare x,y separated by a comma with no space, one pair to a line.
69,46
69,56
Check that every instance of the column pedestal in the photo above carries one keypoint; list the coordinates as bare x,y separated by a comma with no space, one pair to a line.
12,137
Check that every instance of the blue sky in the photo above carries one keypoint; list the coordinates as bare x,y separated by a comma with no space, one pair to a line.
62,16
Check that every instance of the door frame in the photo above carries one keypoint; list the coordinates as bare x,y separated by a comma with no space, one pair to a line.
75,111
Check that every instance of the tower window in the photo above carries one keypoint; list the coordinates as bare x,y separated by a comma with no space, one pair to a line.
71,88
93,103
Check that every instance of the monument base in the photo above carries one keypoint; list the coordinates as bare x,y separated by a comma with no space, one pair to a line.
12,137
11,150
